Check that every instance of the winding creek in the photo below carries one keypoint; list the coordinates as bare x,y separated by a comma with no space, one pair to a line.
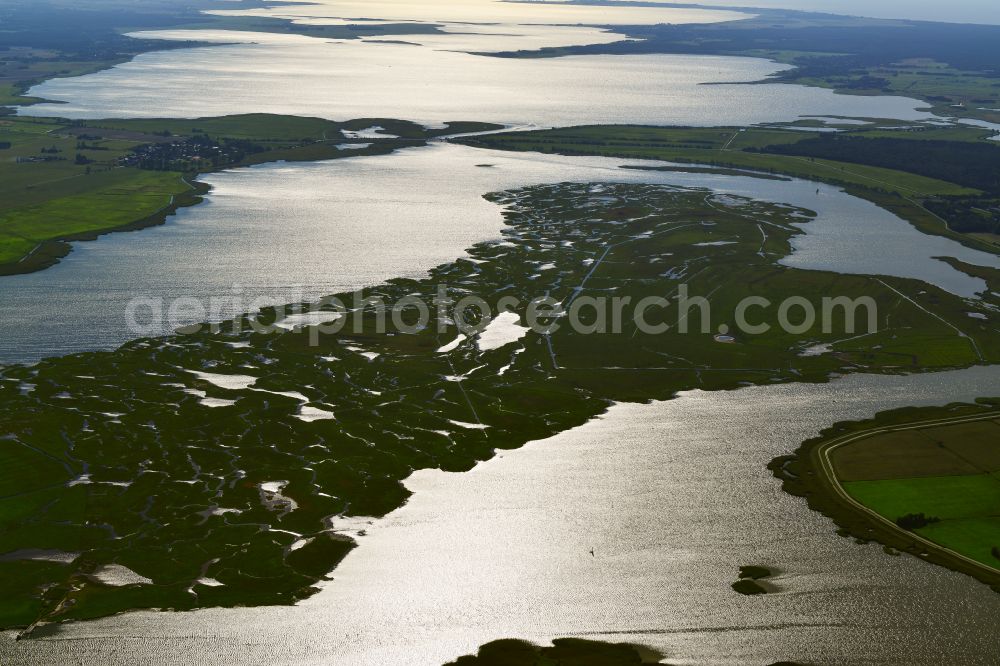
672,497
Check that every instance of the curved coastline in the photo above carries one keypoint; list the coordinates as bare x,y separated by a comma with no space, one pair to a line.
792,470
808,473
50,252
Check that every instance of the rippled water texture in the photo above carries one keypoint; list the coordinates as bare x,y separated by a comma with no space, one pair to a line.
672,497
294,232
336,79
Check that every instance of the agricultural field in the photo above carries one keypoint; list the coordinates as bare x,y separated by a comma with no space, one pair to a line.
947,474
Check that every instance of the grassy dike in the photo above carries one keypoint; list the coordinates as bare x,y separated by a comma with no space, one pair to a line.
808,473
64,181
213,467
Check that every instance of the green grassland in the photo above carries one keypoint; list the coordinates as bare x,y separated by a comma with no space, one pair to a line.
131,465
943,463
62,181
902,192
47,196
283,130
975,537
944,497
952,474
723,146
139,196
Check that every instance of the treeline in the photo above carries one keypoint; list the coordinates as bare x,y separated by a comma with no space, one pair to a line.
968,215
975,165
915,521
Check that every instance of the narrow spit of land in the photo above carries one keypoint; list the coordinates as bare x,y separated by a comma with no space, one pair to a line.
211,468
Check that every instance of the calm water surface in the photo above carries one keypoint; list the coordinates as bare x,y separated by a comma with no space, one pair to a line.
297,232
287,74
673,497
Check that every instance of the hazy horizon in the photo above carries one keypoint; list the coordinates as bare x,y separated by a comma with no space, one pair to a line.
963,11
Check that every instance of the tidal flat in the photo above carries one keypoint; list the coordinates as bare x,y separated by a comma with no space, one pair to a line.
299,231
194,458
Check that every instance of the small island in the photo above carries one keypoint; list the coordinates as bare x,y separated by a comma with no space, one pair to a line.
563,651
748,582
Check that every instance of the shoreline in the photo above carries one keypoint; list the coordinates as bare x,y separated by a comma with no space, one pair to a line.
51,252
857,180
806,473
319,147
572,393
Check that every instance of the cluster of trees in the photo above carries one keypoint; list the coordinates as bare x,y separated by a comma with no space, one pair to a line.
914,521
975,165
968,214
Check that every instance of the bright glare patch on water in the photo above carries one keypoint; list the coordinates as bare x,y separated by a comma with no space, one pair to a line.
307,319
373,132
230,382
118,576
672,497
505,329
468,426
451,346
358,79
355,222
309,414
39,555
208,582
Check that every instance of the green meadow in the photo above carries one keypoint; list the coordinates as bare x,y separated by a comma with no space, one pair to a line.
62,181
950,474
